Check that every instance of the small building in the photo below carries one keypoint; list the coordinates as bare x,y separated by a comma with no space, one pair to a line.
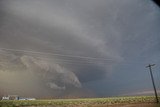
16,97
5,98
11,97
31,99
27,99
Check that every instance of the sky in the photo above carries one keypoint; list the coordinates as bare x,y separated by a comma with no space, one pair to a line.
78,48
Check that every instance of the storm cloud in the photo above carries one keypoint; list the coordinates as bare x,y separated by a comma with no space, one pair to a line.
77,45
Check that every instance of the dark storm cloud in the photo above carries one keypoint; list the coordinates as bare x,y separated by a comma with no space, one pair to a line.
67,44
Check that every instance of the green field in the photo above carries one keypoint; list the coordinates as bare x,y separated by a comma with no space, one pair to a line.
86,102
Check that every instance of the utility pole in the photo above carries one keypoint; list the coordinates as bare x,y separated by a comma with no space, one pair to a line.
150,69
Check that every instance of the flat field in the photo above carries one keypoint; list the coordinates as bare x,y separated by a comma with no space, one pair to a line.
137,101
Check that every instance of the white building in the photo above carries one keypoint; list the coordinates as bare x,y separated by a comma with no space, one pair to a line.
16,97
5,98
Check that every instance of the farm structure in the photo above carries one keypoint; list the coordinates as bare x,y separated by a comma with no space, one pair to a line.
11,97
16,97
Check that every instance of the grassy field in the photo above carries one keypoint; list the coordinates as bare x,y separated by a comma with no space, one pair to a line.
148,101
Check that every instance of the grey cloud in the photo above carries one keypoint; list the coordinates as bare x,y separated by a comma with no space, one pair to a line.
54,86
52,70
30,73
53,18
117,31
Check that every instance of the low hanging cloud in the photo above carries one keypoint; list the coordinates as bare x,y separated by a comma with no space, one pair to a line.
50,72
22,71
54,86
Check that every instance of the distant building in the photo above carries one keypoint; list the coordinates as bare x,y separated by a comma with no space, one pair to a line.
26,99
16,97
31,99
10,97
5,98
